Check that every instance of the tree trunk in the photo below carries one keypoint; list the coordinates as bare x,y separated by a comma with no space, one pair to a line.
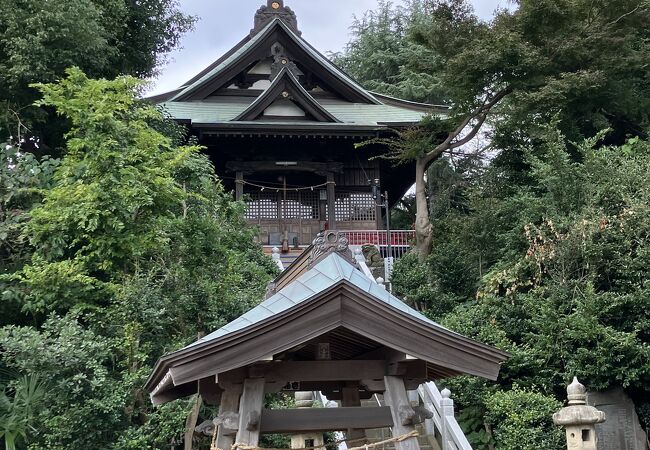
423,227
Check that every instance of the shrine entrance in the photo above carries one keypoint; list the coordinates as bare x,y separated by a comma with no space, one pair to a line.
289,207
290,201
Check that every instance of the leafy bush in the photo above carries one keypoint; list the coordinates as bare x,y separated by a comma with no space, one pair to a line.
522,420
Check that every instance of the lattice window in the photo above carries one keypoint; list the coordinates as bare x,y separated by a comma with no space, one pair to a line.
354,207
262,205
301,205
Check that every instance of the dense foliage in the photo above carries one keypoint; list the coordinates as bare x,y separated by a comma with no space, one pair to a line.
580,63
126,247
385,60
39,40
132,249
540,247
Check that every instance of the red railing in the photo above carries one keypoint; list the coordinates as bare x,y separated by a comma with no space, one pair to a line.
400,240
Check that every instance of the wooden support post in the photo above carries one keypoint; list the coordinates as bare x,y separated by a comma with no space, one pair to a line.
401,411
250,412
239,186
228,418
331,201
351,397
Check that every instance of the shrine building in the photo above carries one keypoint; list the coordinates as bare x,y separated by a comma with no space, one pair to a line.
281,122
282,125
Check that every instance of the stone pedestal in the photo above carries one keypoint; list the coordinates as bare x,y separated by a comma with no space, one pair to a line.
306,400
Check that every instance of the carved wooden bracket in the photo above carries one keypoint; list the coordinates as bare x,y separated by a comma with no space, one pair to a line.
229,421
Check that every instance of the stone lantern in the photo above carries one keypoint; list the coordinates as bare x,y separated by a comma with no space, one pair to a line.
579,419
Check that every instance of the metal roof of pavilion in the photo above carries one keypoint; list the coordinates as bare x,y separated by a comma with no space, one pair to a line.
332,295
322,276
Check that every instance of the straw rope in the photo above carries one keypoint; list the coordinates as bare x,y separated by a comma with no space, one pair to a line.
239,446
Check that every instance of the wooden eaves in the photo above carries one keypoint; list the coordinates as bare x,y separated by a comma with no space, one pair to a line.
349,304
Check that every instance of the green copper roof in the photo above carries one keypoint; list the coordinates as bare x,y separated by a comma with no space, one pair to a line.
327,273
352,113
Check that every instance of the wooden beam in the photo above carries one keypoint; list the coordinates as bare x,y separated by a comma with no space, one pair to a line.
401,411
226,420
324,419
271,166
351,398
239,185
250,412
210,391
313,371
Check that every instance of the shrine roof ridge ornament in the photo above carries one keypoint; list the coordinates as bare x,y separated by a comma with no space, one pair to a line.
274,9
328,242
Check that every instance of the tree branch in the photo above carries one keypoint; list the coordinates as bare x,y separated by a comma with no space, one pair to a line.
479,113
624,16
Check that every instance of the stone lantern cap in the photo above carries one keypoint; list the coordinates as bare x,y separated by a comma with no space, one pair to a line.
578,412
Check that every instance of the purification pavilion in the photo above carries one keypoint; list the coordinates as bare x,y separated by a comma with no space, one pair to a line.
280,122
325,326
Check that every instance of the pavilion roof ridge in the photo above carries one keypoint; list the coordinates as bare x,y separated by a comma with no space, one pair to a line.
331,270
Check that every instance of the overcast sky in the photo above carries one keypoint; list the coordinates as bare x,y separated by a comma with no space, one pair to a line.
224,23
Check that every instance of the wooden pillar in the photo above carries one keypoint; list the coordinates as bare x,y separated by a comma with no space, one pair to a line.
401,411
351,397
331,200
228,419
239,186
250,412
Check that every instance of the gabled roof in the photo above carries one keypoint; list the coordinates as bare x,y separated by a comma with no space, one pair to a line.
285,85
321,277
257,47
332,295
226,97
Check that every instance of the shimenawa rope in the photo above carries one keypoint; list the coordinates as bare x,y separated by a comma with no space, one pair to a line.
238,446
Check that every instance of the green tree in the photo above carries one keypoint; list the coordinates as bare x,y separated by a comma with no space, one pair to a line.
104,38
520,71
553,272
113,189
383,58
23,177
137,250
19,403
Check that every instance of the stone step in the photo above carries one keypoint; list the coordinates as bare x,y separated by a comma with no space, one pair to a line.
286,258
